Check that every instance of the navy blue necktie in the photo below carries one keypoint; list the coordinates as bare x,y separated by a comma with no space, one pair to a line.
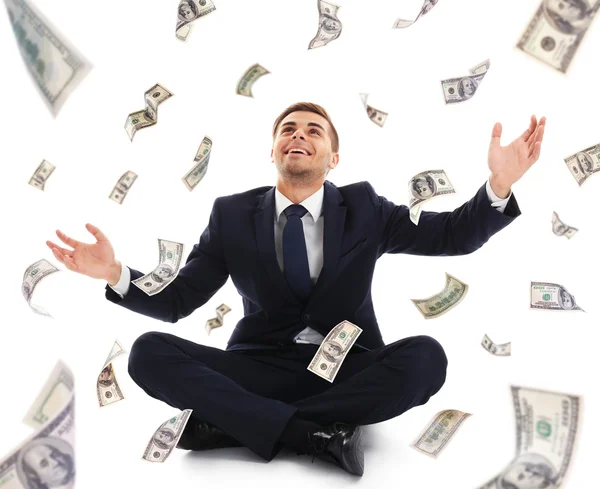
295,257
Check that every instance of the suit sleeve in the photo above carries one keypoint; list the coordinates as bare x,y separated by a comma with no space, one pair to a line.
459,232
203,274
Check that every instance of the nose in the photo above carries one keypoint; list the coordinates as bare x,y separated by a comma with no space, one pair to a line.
298,133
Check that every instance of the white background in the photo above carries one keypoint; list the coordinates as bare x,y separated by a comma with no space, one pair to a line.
132,46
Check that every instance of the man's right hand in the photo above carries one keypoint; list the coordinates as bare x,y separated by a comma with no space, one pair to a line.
95,260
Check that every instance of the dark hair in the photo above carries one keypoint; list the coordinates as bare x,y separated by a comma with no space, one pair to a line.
309,107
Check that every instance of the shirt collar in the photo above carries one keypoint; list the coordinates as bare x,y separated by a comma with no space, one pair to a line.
313,204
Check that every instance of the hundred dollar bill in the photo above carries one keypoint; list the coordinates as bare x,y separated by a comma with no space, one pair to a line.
193,177
547,424
425,186
187,12
217,322
32,276
46,459
584,164
52,61
502,350
439,431
166,437
464,87
153,97
244,86
553,297
377,116
427,6
333,350
41,174
438,304
119,191
556,31
170,255
560,228
56,392
107,386
330,26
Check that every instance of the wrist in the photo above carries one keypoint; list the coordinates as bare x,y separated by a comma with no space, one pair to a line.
502,191
114,273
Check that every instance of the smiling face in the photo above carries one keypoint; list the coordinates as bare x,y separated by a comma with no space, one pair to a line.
302,149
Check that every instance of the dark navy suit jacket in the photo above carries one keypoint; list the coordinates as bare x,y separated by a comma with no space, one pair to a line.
359,227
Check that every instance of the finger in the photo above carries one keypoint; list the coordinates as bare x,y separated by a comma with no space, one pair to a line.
70,264
66,239
536,153
538,137
64,251
529,131
99,235
496,134
58,255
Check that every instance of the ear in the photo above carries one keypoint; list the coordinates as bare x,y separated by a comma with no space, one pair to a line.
272,155
335,158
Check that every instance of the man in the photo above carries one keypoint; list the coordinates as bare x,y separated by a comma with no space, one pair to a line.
423,187
569,16
467,87
529,471
301,270
45,463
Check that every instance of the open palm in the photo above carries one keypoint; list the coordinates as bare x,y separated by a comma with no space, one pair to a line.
93,260
509,163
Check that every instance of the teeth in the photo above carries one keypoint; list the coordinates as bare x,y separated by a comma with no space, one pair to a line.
297,150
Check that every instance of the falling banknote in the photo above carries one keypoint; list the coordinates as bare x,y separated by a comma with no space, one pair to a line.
32,276
377,116
502,350
187,12
244,86
330,26
584,164
463,88
427,6
170,256
149,116
107,387
556,31
217,322
119,191
425,186
46,459
560,228
547,424
193,177
437,305
52,61
41,174
333,350
438,432
552,297
166,437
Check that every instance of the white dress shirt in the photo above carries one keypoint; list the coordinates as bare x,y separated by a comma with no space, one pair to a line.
312,223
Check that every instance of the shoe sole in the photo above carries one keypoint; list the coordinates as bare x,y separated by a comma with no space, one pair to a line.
353,455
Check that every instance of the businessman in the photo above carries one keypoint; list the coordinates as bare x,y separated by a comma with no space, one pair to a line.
302,255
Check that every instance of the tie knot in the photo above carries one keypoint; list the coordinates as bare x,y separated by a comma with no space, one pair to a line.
295,210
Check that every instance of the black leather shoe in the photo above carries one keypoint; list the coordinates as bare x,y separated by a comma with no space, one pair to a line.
341,445
201,435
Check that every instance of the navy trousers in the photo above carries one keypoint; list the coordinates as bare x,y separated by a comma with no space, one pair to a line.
252,394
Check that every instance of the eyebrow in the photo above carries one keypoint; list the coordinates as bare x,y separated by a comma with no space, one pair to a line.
291,123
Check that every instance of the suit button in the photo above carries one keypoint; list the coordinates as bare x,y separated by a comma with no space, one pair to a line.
306,317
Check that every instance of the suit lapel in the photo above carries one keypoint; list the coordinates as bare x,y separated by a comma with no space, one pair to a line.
334,219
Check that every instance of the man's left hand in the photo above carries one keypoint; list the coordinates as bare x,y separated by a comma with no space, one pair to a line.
509,163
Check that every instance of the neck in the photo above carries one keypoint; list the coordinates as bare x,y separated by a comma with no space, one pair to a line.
298,192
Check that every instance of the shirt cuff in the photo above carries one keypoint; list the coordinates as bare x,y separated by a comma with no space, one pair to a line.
495,201
122,286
